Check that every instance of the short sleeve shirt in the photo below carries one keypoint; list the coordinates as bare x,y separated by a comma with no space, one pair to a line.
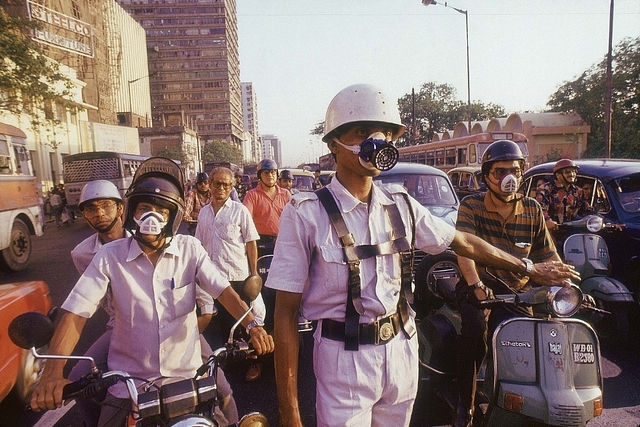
224,236
155,331
309,258
264,211
523,234
562,204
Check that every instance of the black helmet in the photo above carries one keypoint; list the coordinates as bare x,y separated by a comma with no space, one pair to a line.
202,177
267,165
286,174
158,180
498,151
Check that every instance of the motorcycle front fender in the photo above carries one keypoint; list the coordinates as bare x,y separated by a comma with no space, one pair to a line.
551,367
606,289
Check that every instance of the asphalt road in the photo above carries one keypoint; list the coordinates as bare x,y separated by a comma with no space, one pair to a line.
51,262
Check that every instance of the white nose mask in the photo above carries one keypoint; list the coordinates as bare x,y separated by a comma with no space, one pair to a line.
150,223
509,183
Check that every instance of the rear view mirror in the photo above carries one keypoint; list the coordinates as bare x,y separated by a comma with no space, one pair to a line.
31,330
251,287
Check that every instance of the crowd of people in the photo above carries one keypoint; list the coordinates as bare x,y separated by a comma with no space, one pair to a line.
338,260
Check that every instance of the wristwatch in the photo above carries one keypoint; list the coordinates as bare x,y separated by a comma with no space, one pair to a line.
254,323
528,265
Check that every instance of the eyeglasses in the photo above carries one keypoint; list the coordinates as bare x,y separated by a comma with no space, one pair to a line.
220,184
500,172
93,209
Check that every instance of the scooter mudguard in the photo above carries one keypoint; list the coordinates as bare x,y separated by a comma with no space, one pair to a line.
606,289
546,370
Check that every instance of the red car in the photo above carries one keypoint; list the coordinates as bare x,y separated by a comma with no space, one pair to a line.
19,371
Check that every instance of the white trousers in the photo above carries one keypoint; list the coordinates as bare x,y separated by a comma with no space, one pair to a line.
374,386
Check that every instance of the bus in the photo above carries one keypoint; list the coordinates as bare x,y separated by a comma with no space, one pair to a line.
462,151
78,169
20,213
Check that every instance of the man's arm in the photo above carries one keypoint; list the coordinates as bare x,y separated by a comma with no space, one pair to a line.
483,253
48,393
286,356
252,256
261,341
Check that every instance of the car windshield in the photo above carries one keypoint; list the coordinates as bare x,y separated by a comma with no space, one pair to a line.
629,187
302,182
429,190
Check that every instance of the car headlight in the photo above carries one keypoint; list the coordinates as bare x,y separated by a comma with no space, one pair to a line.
564,302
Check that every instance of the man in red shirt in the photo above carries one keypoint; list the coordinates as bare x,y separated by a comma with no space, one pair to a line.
265,203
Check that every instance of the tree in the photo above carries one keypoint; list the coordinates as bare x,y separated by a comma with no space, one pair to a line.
30,82
586,96
174,152
221,151
436,109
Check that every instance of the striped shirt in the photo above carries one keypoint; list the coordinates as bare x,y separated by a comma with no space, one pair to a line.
523,234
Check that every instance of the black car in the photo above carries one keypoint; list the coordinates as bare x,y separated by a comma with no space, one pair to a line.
613,188
432,188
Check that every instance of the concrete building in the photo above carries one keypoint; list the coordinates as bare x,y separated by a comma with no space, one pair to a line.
271,148
250,121
193,65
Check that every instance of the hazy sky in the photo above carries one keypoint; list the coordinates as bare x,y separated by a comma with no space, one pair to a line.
300,53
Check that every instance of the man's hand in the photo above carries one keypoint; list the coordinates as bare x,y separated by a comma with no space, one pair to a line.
261,341
48,394
554,273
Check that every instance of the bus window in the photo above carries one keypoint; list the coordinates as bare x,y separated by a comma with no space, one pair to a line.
5,158
450,157
431,158
422,158
462,156
439,157
473,157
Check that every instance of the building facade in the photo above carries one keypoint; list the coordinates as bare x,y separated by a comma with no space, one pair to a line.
194,65
271,148
250,123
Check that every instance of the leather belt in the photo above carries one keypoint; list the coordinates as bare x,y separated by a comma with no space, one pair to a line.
379,332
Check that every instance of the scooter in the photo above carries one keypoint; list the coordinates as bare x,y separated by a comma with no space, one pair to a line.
540,369
184,403
589,254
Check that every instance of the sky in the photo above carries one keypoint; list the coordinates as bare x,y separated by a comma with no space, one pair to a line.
300,53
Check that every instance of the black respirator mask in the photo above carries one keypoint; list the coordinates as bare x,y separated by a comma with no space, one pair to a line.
375,152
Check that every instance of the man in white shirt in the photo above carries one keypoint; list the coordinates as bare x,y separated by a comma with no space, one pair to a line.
153,276
227,232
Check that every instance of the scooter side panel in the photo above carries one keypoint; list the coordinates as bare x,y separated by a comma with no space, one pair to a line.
514,344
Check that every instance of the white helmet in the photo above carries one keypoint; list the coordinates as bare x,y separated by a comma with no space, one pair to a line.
98,189
361,103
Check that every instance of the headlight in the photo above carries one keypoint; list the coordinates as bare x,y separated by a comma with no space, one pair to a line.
595,223
564,302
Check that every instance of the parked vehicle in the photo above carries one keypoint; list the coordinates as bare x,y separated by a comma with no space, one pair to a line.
467,180
187,402
19,370
615,193
543,369
302,179
21,215
589,254
432,188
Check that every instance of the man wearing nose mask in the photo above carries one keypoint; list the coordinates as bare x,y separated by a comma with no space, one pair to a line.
508,221
562,200
340,259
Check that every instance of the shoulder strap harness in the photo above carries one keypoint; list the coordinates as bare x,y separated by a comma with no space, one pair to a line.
353,254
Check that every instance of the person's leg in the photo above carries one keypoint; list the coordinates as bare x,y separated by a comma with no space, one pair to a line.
114,412
471,349
401,383
99,351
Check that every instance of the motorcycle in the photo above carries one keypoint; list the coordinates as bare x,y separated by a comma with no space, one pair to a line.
589,254
543,368
187,402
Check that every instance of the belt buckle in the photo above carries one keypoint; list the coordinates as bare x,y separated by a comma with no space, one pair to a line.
385,331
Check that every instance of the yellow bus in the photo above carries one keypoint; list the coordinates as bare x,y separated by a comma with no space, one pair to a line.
462,151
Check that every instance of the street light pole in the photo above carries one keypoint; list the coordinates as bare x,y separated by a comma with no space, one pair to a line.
466,22
129,82
607,98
